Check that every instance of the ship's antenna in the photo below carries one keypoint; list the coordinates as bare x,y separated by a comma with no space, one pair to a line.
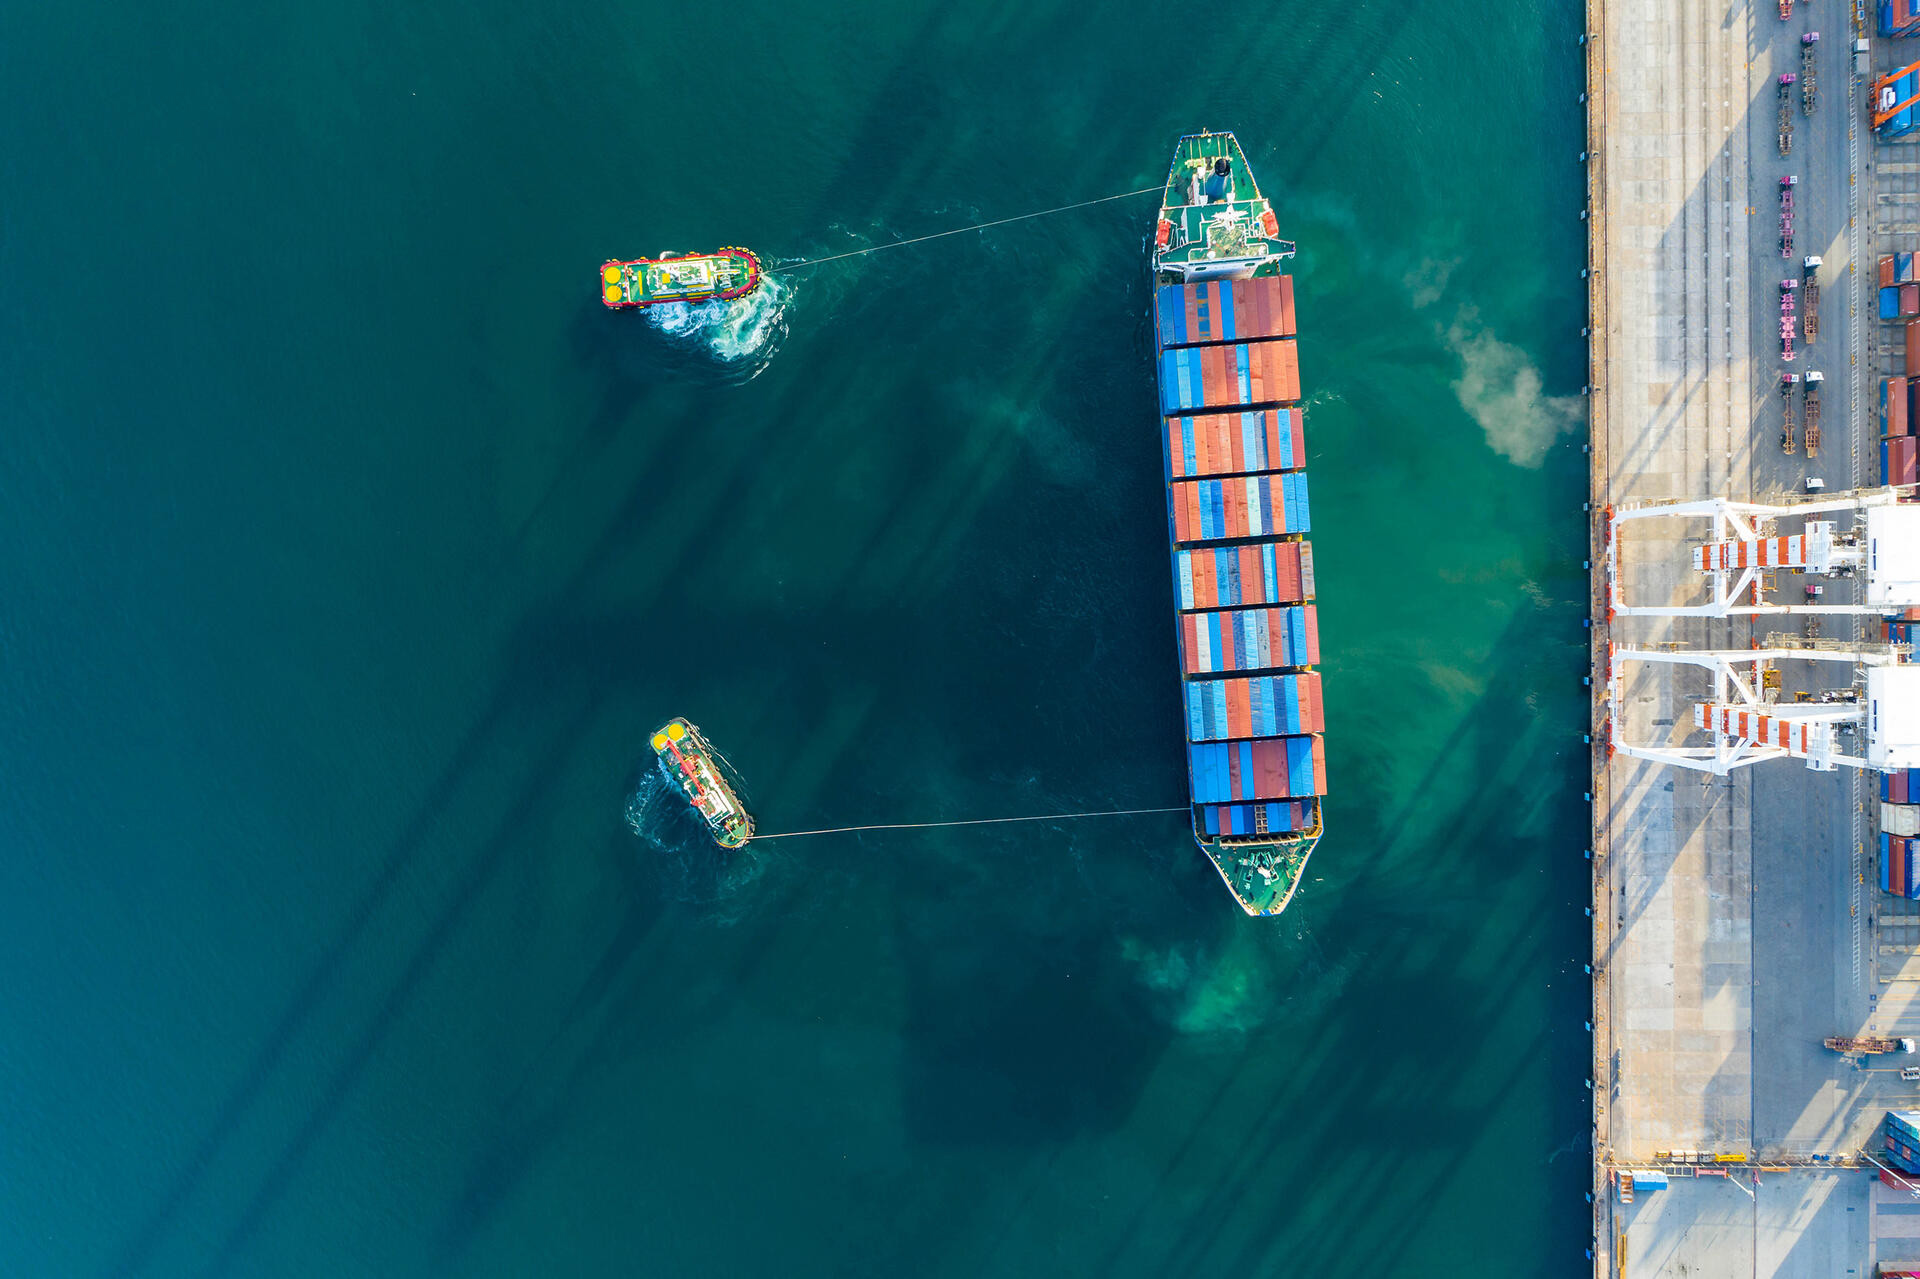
977,821
978,226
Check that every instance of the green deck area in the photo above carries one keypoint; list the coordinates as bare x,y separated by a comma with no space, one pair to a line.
1241,863
1220,231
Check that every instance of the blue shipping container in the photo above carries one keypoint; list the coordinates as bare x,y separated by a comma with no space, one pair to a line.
1274,701
1890,302
1905,1121
1645,1179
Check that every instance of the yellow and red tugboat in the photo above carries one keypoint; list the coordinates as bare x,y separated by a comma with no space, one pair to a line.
691,765
678,277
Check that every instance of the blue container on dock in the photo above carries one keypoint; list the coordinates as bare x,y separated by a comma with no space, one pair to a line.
1903,122
1890,302
1647,1179
1906,1122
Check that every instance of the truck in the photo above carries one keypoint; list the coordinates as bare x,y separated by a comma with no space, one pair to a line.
1787,184
1786,82
1863,1045
1810,300
1789,322
1808,43
1788,381
1813,381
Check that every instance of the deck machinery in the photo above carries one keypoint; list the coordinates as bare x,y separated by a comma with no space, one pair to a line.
1872,722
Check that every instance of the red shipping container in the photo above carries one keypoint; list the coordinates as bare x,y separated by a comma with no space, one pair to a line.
1319,765
1286,306
1913,338
1312,655
1897,787
1910,299
1913,398
1219,445
1239,709
1273,368
1270,768
1311,716
1894,392
1886,271
1902,453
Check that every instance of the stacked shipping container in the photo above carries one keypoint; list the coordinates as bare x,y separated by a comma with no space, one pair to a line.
1900,394
1899,865
1903,1140
1233,439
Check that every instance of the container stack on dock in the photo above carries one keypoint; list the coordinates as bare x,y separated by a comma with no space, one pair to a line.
1900,395
1903,1140
1899,17
1234,446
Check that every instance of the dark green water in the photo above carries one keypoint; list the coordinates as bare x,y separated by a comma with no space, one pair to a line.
352,551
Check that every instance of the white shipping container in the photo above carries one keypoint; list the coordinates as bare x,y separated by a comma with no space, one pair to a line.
1900,819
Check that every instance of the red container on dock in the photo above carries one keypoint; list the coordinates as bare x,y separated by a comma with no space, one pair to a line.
1913,336
1909,300
1893,406
1902,454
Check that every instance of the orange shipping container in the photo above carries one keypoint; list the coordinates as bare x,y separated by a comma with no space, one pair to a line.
1886,271
1239,708
1913,345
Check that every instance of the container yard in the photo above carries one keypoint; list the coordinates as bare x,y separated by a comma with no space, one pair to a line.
1753,215
1233,441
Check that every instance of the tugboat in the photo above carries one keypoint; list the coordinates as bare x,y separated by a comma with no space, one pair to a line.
676,277
688,762
1233,444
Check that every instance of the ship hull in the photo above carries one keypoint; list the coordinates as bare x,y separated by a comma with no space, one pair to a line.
696,277
1233,446
692,767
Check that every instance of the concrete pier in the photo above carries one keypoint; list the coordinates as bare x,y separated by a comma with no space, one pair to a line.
1735,920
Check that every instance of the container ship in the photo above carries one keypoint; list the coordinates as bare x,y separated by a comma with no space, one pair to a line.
1233,441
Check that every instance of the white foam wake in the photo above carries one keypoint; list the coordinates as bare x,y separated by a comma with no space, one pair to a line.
742,333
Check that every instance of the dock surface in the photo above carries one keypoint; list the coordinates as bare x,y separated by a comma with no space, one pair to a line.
1735,920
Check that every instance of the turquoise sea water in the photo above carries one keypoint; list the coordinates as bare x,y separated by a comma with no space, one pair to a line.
353,551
